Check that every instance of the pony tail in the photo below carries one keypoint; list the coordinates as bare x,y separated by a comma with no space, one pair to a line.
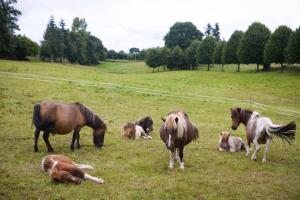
285,132
36,118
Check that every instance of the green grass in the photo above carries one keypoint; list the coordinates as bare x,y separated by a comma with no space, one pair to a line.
125,91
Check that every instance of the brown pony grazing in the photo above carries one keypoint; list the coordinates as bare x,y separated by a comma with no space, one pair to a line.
176,132
146,123
62,169
61,118
259,130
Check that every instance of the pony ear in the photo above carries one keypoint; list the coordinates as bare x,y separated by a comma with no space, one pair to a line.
239,110
163,119
221,134
176,120
231,109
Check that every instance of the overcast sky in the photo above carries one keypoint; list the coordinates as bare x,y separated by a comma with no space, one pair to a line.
122,24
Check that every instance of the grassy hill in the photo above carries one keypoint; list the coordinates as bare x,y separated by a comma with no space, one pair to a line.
125,91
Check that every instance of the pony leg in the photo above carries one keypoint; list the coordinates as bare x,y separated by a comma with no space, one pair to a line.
77,141
256,148
75,136
181,157
177,155
247,149
266,150
36,137
64,176
83,166
92,178
172,156
46,139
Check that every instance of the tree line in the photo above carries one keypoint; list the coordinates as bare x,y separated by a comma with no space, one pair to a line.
185,49
13,46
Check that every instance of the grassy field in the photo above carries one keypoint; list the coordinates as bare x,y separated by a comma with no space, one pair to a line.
125,91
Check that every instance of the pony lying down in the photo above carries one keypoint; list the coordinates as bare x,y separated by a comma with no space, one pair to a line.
62,169
134,131
230,143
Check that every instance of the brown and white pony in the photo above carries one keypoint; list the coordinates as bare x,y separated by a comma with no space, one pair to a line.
62,169
133,131
176,132
259,130
230,143
62,118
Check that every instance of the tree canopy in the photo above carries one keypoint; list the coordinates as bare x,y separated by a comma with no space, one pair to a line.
182,34
8,25
293,48
276,45
190,54
205,51
76,45
217,55
251,49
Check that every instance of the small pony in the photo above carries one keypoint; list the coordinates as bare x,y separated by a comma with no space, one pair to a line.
176,132
260,130
230,143
62,169
133,131
146,123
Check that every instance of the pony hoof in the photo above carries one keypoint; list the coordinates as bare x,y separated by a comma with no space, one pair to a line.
50,150
254,159
181,167
35,150
171,167
264,160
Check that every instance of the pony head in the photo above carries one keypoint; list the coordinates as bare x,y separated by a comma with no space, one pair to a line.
146,123
129,130
223,141
235,117
98,135
174,126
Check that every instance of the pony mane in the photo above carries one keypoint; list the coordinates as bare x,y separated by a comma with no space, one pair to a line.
91,118
180,127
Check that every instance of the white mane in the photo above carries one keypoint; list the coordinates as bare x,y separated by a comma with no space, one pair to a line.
181,126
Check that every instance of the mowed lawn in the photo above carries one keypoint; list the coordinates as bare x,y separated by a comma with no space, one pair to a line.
125,91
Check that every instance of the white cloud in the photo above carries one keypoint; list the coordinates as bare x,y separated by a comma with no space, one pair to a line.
123,24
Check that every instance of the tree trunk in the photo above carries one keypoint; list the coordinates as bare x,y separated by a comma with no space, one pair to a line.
222,67
153,70
238,69
257,67
267,67
207,67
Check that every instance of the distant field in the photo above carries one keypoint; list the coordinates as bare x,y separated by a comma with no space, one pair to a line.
125,91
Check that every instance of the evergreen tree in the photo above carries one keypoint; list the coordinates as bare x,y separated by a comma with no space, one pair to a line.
208,30
216,32
8,18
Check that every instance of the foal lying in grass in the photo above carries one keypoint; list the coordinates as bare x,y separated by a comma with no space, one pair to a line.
62,169
230,143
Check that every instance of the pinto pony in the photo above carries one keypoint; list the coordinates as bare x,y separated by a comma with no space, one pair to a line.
176,132
146,123
61,118
133,131
259,130
62,169
230,143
